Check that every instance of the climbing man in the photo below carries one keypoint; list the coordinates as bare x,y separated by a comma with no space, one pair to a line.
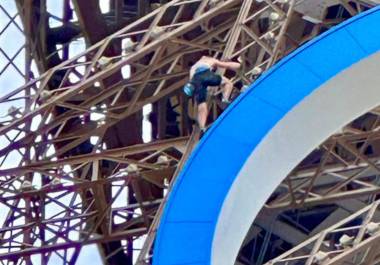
202,75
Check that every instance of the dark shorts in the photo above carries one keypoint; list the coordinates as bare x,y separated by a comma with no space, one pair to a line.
201,81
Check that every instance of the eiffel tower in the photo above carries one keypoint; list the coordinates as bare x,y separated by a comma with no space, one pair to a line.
95,128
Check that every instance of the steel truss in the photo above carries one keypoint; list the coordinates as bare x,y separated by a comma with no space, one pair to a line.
353,240
79,205
51,133
345,166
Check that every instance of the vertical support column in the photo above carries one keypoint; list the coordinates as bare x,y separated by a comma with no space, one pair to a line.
28,231
41,207
161,118
119,7
143,7
184,122
27,9
43,26
67,15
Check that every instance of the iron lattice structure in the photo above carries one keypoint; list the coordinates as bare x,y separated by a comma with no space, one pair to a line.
76,180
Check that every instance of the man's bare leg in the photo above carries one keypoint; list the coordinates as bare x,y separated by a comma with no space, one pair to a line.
202,115
227,87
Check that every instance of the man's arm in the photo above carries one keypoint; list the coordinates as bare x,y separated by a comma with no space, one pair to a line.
228,65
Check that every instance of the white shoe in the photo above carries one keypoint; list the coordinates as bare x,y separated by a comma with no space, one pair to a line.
225,101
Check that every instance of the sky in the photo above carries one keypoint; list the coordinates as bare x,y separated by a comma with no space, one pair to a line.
11,42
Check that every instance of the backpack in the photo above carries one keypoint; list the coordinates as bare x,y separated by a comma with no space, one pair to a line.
188,89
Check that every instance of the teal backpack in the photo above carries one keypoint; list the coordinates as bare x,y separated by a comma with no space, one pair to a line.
188,89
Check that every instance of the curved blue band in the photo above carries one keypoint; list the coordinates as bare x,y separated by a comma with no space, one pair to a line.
187,227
